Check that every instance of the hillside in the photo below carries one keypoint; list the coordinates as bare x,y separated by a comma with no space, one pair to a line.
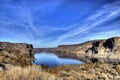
104,50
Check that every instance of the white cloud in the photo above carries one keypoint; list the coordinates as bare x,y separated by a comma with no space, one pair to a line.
107,13
25,19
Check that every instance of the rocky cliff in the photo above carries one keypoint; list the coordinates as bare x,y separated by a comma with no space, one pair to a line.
22,47
105,50
16,53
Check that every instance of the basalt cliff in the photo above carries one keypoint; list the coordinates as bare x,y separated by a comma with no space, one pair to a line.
20,54
102,51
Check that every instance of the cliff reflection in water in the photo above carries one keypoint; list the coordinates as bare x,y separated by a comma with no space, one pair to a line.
51,60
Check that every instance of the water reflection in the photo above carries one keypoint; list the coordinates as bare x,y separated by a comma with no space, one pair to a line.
51,60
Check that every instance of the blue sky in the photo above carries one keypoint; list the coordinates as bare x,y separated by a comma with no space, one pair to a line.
49,23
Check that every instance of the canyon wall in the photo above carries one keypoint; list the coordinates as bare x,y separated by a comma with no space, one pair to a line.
22,47
105,50
16,53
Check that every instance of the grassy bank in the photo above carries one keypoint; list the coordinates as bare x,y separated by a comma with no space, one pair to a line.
69,72
25,73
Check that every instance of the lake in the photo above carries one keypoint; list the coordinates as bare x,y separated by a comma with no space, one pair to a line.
51,60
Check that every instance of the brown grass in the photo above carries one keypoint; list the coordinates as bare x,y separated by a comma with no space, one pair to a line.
91,66
26,73
16,58
68,68
68,72
117,68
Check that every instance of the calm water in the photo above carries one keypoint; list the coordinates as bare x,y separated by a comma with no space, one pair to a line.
51,59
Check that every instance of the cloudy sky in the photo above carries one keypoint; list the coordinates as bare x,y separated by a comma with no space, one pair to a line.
49,23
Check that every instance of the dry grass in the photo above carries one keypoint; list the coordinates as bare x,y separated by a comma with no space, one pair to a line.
16,58
91,66
117,68
26,73
68,72
68,68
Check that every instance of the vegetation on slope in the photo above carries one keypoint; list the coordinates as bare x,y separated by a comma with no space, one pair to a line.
14,57
69,72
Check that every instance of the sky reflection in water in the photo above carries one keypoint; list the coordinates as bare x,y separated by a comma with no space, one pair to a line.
51,59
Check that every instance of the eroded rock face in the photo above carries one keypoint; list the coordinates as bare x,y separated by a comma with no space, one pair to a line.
92,51
105,51
16,53
22,47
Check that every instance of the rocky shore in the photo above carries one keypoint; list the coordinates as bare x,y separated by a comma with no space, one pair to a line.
105,50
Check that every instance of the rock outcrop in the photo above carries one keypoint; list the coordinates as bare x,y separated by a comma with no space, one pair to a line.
16,53
22,47
105,50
